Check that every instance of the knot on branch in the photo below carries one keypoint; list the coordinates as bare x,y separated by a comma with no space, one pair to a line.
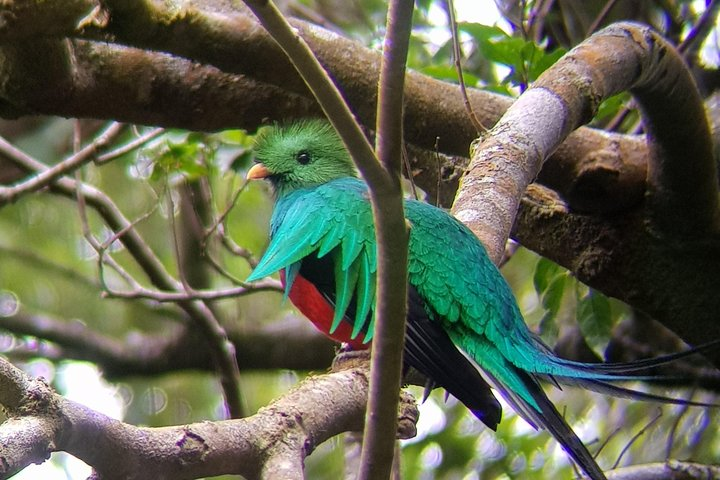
604,183
408,415
192,447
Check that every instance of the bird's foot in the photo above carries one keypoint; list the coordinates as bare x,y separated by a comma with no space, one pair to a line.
346,359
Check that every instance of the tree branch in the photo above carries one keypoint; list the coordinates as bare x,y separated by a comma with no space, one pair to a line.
70,164
177,348
566,96
386,199
637,256
671,470
159,89
616,255
283,433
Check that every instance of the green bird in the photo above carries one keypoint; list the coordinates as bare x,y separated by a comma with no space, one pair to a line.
464,331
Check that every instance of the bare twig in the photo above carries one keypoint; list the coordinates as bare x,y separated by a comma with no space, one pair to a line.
130,146
704,26
639,434
194,294
679,415
457,60
536,18
222,349
600,17
48,175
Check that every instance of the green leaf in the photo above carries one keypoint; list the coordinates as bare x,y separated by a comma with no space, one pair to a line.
235,137
446,72
242,161
544,61
545,271
611,106
184,154
526,59
594,317
552,300
482,33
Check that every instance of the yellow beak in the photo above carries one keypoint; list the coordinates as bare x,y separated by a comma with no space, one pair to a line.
257,171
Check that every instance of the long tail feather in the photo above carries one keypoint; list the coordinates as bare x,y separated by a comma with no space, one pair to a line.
550,364
548,418
625,392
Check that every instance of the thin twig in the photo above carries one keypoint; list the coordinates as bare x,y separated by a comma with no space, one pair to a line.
215,265
48,175
220,220
221,348
536,19
600,17
236,249
635,437
219,228
606,441
130,146
187,288
699,32
457,59
684,408
192,294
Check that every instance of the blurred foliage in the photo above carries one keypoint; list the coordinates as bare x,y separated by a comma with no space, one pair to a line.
47,267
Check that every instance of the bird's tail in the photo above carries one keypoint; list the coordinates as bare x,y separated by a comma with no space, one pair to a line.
521,388
601,377
531,403
546,362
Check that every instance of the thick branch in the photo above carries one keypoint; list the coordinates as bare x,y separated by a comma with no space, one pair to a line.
143,87
284,432
126,84
673,283
621,57
671,470
683,189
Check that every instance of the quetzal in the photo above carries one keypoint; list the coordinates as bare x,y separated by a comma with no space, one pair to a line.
464,330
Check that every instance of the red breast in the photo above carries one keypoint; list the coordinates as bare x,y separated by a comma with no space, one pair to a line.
316,308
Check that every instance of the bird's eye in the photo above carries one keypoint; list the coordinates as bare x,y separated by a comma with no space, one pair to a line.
303,158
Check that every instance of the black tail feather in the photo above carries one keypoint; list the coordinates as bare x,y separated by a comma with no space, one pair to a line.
548,418
625,392
429,350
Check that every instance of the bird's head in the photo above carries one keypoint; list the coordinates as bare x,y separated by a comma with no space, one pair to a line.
299,155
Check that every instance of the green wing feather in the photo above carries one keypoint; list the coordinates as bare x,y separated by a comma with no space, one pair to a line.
335,219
